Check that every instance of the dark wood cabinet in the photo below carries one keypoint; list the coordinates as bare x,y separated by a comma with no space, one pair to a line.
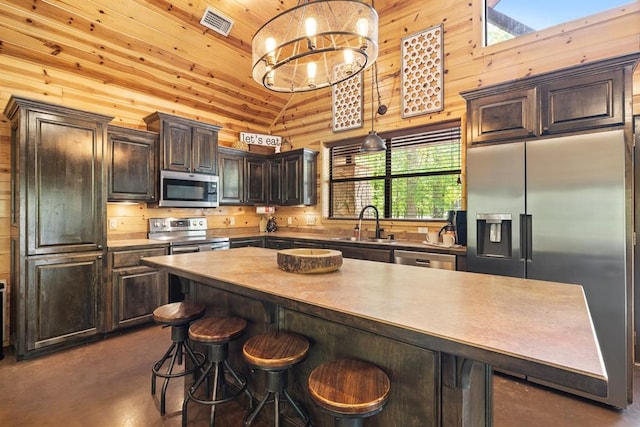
257,242
355,250
185,145
242,177
274,181
278,179
58,230
275,243
509,115
298,179
583,102
231,176
575,99
255,179
132,165
62,299
135,290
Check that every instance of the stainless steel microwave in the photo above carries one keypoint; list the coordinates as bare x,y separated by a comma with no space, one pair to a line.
188,190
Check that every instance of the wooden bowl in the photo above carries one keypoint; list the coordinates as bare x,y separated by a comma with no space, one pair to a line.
309,260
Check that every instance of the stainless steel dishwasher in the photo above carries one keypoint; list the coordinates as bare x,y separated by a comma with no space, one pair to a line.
425,259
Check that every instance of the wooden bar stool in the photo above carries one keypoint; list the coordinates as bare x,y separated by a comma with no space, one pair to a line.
178,316
275,353
350,390
216,333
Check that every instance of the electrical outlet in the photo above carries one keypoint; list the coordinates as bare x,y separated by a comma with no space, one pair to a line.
311,220
423,230
232,221
289,220
113,224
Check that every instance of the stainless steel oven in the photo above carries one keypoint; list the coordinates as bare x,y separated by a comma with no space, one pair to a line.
185,235
191,190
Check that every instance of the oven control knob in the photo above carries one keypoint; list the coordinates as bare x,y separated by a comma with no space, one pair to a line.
201,223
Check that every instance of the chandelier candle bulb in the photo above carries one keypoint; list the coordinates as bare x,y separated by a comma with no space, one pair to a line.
270,45
348,60
363,29
311,73
311,27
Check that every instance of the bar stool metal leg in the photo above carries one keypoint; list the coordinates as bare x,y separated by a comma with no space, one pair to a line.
178,316
216,333
275,353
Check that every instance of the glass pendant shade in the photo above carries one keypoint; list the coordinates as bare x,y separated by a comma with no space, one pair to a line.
315,45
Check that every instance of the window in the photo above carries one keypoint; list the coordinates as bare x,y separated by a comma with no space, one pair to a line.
507,19
416,178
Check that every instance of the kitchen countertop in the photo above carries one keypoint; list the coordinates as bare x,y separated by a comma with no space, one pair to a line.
534,327
120,244
342,239
134,244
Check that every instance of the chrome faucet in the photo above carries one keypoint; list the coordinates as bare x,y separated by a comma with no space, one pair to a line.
378,229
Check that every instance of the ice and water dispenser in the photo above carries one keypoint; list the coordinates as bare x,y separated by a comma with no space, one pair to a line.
494,235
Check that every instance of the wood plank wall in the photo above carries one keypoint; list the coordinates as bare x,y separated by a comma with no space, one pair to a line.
33,72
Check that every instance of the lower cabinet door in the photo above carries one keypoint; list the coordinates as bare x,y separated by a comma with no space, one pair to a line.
62,299
137,292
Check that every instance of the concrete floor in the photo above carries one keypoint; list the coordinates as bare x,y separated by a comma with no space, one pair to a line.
107,384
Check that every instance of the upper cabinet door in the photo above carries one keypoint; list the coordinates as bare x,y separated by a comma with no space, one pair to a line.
503,116
205,148
255,180
177,147
185,145
231,183
586,102
65,206
132,168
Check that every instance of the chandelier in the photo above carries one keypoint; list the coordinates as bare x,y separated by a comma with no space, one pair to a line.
315,45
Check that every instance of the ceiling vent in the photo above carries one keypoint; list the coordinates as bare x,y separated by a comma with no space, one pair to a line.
216,21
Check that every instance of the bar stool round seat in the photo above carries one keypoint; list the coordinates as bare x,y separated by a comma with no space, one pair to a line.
178,316
275,353
216,333
350,390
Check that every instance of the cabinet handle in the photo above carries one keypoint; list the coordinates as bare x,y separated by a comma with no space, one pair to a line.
545,129
99,256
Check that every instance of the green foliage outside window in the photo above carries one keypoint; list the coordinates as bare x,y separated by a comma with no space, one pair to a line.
418,177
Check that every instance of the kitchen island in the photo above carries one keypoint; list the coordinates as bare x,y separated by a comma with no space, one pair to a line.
436,333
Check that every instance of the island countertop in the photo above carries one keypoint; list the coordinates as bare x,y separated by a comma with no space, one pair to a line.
529,326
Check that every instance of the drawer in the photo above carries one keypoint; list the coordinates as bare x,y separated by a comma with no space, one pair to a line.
132,258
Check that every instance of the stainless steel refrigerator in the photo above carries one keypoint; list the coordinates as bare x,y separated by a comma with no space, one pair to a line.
560,210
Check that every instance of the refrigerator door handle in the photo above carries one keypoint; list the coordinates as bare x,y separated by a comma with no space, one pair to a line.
526,246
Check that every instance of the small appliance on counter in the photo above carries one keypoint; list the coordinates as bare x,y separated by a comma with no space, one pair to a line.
271,225
456,224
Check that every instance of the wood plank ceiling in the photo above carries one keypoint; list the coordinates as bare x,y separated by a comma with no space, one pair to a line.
153,47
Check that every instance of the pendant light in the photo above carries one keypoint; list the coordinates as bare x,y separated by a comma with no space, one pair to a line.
300,49
373,142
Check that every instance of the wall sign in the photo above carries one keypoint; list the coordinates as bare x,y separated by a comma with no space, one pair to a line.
261,139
